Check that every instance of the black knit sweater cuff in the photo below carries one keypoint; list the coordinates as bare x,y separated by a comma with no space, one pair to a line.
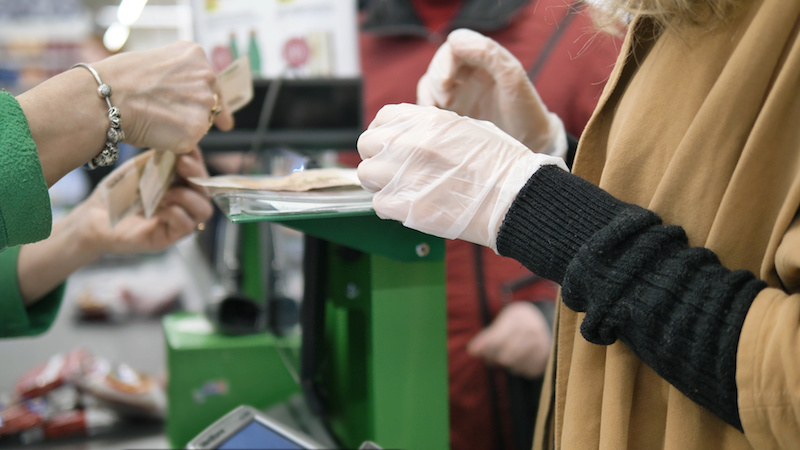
676,307
551,218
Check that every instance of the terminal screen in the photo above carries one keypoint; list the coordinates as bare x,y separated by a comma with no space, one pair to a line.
257,436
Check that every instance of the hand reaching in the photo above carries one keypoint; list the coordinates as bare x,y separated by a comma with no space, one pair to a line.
165,96
444,174
181,209
84,235
518,339
475,76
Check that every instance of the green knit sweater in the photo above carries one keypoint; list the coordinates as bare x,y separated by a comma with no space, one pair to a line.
25,216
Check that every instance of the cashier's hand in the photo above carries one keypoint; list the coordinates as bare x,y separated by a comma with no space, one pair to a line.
182,208
444,174
519,339
475,76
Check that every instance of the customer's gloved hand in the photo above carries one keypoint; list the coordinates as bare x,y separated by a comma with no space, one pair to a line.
475,76
444,174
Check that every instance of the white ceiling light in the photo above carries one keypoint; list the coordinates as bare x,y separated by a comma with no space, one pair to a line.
115,37
129,11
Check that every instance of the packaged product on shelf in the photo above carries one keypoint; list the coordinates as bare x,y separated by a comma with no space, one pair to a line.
87,421
24,415
122,388
57,371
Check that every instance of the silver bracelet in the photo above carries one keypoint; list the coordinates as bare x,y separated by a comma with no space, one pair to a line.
114,135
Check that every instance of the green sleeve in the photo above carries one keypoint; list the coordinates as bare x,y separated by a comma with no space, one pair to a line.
25,214
15,319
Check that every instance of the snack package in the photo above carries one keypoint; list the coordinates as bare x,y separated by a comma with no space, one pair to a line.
120,387
25,415
57,371
88,421
79,381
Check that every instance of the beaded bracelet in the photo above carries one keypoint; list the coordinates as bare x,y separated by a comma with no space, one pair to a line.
114,135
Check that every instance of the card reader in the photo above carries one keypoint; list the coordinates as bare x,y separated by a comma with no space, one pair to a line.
248,428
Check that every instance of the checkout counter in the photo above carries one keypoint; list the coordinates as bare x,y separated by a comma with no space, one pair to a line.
368,361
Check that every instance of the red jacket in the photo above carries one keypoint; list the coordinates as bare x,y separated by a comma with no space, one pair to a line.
396,48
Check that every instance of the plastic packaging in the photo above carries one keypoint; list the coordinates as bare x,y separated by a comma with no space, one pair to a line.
77,422
18,417
57,371
122,388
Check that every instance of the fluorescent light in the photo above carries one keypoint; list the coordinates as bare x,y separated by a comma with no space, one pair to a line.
115,37
129,11
153,16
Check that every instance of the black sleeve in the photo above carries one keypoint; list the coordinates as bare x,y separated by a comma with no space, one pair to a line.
572,148
676,307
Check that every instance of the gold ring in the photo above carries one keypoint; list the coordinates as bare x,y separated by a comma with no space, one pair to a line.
216,109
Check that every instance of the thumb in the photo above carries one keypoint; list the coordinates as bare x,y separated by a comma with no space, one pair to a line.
478,50
434,88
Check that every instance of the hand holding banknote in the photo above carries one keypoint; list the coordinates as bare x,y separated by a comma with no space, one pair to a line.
142,190
167,104
183,206
85,234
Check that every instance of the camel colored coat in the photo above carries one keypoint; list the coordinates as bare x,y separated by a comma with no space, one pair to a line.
704,129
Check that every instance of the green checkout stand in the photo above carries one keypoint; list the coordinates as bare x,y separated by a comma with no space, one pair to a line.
383,352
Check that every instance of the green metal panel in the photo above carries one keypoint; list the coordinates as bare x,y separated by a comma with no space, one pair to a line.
252,283
409,354
385,365
211,373
362,231
385,374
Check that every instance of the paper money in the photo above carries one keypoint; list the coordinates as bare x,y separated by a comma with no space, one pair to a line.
156,179
235,82
236,86
300,181
121,189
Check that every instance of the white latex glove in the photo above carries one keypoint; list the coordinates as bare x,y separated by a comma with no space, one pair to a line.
518,339
444,174
475,76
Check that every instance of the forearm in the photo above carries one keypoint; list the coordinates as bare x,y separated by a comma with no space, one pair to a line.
638,280
68,121
44,265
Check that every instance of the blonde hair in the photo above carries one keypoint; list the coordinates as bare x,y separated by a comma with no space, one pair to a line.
667,13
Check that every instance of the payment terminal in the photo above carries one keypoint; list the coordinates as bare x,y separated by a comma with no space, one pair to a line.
247,428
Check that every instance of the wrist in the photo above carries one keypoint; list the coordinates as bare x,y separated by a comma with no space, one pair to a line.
517,177
83,239
63,145
114,134
43,265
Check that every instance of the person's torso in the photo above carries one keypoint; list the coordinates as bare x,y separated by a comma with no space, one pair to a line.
690,129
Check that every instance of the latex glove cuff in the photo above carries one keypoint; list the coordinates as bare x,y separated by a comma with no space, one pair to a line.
515,180
555,142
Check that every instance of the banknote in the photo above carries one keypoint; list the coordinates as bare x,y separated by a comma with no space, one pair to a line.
236,86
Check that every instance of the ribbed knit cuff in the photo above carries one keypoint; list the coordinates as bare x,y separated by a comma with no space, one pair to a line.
676,307
551,218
